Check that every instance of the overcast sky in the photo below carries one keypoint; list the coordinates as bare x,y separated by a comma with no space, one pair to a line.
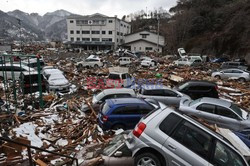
85,7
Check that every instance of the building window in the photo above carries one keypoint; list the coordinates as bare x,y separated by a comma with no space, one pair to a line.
110,21
107,39
121,34
85,39
121,24
71,21
144,36
139,48
148,48
134,48
77,32
125,26
118,33
85,32
117,40
95,39
71,32
95,32
110,32
71,39
78,39
103,32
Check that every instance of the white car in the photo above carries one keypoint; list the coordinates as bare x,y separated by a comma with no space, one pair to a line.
123,61
56,81
187,62
119,80
7,69
91,61
149,63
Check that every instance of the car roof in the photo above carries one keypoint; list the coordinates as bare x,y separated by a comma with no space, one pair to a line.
232,69
117,91
154,86
93,57
200,81
29,73
129,101
118,73
219,102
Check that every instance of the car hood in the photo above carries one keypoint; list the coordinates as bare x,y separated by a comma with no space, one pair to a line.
58,82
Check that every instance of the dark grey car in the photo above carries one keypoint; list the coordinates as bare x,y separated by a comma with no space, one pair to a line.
162,93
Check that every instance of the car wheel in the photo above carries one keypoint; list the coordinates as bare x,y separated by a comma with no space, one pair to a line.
80,66
95,66
118,126
148,159
217,77
242,79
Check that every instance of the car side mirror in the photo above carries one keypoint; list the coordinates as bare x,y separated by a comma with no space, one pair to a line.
118,154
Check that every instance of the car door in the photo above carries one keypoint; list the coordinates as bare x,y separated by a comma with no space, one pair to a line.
171,98
227,118
236,73
188,145
157,94
131,116
227,73
207,112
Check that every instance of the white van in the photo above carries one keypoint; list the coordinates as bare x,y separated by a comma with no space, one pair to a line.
7,69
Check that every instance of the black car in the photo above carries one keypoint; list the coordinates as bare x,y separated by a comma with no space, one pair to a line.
197,89
30,82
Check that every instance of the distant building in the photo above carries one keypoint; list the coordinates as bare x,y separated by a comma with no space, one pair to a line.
144,41
96,32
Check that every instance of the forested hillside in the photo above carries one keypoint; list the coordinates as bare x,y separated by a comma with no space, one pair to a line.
213,27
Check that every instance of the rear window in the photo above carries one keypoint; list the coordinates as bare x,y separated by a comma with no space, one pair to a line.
114,76
105,108
31,78
170,123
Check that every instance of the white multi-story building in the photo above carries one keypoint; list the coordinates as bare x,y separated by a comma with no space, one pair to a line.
96,32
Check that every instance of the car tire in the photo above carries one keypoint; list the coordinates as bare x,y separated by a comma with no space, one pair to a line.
118,126
217,77
242,79
95,66
147,159
80,66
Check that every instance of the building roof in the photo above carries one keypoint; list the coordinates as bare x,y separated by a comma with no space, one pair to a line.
141,32
144,41
87,43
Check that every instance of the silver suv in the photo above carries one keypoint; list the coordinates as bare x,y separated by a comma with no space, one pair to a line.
168,138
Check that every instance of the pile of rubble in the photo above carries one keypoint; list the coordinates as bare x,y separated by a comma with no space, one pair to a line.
62,127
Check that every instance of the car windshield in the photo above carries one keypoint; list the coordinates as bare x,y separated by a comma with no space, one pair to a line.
113,145
182,86
114,77
239,111
194,102
105,108
99,96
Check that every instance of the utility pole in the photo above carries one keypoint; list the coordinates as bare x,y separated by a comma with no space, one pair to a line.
20,32
158,29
